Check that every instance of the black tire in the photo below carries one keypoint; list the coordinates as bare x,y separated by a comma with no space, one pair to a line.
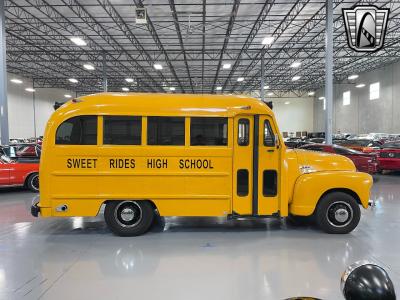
129,218
32,182
301,220
338,213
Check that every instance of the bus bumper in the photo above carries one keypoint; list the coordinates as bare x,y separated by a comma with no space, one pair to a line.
35,210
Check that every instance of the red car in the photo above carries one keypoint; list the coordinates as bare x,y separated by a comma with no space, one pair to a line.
389,156
19,174
364,162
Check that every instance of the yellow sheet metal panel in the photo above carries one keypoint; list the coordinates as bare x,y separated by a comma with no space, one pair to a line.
310,187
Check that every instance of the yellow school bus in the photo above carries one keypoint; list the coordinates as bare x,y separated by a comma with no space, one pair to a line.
143,155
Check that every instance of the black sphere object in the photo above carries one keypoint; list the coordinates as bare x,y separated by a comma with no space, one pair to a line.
367,281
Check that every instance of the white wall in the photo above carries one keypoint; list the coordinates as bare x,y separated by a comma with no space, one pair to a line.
21,108
298,115
364,115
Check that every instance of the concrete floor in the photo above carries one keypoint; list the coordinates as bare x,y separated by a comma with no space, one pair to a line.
201,258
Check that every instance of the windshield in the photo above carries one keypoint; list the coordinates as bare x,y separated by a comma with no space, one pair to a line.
391,145
362,143
347,150
5,159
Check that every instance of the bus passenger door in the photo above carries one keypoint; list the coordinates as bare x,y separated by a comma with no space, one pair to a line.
242,200
268,167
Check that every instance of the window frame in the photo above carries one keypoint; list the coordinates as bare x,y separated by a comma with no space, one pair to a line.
346,98
205,117
246,122
374,95
78,116
122,116
271,131
148,121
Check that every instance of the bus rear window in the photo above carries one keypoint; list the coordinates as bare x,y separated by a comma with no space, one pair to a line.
166,131
208,131
80,130
122,130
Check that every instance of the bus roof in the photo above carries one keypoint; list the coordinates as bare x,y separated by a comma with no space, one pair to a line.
158,104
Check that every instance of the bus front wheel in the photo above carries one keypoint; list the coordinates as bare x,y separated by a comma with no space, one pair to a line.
129,218
338,212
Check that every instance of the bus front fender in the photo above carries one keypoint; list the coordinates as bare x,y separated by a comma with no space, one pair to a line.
310,188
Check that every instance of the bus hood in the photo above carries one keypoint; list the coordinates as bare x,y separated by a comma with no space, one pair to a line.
313,161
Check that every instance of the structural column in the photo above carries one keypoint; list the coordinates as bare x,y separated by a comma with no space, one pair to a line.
329,72
105,83
3,79
262,83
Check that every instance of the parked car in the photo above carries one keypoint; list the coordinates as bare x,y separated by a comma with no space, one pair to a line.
22,152
363,145
364,162
389,156
14,173
319,140
295,142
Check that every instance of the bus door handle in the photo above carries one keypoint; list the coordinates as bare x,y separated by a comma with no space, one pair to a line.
270,150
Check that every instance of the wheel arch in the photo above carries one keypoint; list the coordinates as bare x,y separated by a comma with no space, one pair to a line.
310,188
111,200
29,175
343,190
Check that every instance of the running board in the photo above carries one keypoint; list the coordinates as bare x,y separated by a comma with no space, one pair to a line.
236,216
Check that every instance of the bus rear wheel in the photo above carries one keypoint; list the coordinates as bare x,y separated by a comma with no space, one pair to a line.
129,218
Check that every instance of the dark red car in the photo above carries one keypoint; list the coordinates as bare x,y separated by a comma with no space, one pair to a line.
364,162
19,174
363,145
389,156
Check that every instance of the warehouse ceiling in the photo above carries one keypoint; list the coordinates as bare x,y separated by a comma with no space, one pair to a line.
191,40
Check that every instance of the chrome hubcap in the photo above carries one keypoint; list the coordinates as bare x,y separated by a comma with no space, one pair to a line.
127,214
339,214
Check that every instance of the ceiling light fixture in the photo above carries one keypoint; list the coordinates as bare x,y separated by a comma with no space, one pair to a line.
158,66
266,87
15,80
295,78
172,88
268,40
321,98
73,80
311,93
296,64
218,88
352,77
67,96
270,94
88,67
240,79
30,90
130,80
287,102
125,89
360,85
226,66
78,41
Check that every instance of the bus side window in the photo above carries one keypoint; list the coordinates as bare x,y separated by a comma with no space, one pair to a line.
80,130
243,132
269,138
166,131
122,130
208,131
